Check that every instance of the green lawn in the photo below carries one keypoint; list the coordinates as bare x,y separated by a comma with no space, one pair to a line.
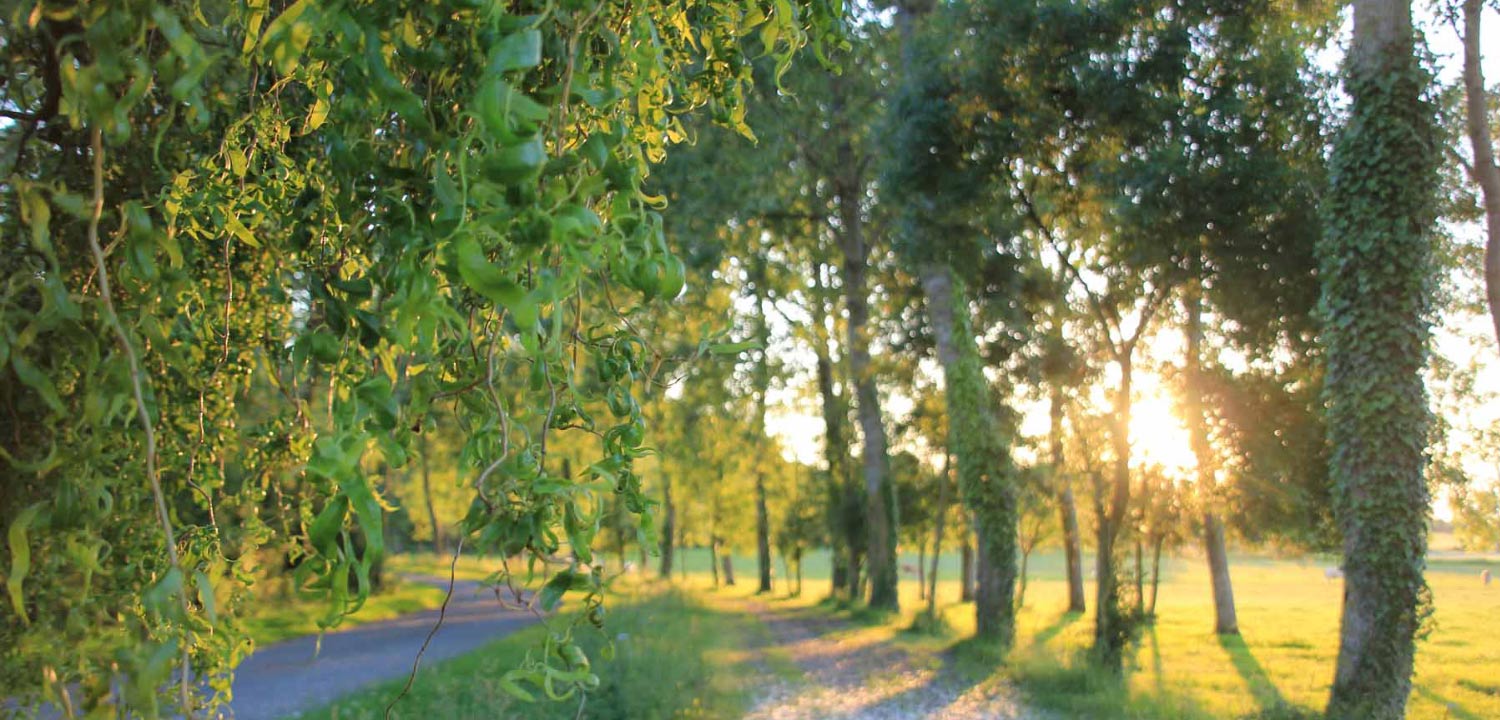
277,619
1281,666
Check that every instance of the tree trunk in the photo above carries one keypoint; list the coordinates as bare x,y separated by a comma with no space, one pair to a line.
922,570
713,559
797,559
842,533
1225,619
668,527
762,385
1110,634
1067,507
1140,579
937,536
880,515
1376,271
762,535
985,479
437,530
728,561
966,570
1485,172
1021,586
1155,574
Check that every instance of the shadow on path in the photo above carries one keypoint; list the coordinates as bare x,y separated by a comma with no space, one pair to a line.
1454,709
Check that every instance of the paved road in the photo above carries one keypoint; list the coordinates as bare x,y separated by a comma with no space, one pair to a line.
283,679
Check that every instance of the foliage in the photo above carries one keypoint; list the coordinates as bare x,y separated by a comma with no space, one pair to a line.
311,226
1376,269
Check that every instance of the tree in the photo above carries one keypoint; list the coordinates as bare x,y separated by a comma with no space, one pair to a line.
1481,144
405,207
1376,263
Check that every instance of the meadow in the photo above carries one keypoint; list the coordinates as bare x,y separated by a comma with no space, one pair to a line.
1279,667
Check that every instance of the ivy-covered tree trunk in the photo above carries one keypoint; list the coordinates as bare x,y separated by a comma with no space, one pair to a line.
984,472
880,515
1226,621
1481,141
1067,507
1376,270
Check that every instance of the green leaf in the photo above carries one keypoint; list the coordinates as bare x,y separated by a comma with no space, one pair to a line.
520,51
31,376
16,536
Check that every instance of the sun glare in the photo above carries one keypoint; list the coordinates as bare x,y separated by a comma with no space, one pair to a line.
1159,437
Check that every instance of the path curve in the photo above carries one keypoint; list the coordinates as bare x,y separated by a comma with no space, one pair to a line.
284,679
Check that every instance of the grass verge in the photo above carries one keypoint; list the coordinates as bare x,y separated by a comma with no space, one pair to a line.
274,620
674,658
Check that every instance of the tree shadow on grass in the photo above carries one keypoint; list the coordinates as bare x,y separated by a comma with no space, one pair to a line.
1062,622
1454,709
1267,695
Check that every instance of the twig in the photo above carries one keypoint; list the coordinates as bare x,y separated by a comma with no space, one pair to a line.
137,385
442,613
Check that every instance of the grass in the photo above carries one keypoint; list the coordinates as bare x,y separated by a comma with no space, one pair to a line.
274,620
1278,669
674,657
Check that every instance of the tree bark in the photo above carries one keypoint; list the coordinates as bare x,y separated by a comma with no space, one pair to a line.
1109,633
835,455
762,385
668,527
983,484
1226,621
728,560
713,558
966,570
937,536
437,530
1376,272
922,569
1485,172
880,516
1155,573
1067,507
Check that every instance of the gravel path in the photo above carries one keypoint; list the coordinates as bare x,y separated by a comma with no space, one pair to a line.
284,679
849,677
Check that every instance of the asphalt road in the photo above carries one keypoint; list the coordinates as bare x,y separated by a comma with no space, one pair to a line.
284,679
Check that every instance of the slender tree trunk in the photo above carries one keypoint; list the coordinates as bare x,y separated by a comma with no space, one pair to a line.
1481,140
1376,271
668,527
1021,586
1155,574
762,385
1226,621
1109,633
713,558
798,561
937,535
922,570
1066,506
985,481
728,560
437,530
966,570
1140,579
880,516
843,536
